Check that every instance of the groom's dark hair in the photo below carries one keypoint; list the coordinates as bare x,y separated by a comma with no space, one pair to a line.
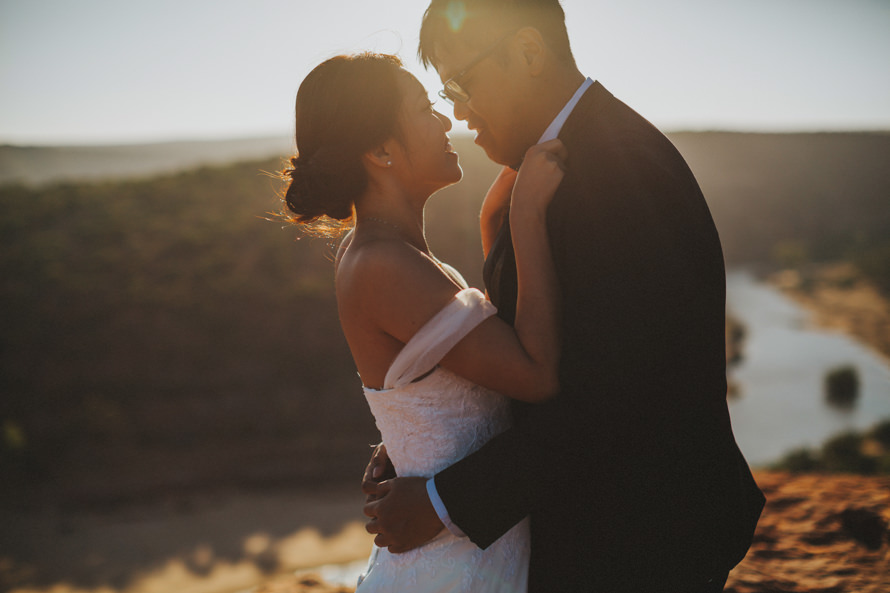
478,23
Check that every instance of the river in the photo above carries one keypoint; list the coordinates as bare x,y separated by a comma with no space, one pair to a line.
780,403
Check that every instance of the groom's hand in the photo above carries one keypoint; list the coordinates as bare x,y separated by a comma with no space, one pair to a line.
401,514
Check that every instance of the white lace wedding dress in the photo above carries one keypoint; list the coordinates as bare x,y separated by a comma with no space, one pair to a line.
429,421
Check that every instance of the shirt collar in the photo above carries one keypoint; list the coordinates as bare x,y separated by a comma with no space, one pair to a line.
555,126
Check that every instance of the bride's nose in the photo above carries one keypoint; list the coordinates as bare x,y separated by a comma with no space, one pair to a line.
446,123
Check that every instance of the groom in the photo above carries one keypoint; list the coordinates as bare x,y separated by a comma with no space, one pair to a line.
631,475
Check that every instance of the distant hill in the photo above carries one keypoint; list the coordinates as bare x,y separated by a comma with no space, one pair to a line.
815,193
819,195
40,165
805,192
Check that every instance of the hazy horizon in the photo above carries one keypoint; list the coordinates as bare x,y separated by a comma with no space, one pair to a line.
104,72
271,138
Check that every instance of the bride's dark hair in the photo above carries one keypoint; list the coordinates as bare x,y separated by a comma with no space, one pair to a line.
347,106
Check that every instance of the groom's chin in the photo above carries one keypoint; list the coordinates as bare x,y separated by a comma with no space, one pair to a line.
501,157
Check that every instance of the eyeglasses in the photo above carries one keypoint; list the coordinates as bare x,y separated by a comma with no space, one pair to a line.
452,91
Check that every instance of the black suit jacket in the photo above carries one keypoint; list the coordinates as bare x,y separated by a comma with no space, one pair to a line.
632,476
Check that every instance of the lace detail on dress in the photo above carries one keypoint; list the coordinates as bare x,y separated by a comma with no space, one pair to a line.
428,425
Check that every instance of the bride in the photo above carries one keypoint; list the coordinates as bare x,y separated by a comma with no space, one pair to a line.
436,362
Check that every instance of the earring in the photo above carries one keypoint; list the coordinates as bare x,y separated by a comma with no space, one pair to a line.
389,163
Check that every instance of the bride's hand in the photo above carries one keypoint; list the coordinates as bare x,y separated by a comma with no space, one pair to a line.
541,173
379,468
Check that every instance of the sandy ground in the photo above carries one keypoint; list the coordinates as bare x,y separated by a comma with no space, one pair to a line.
819,534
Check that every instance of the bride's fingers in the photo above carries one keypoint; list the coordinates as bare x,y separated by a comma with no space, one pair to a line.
370,487
554,147
385,471
377,465
551,150
380,461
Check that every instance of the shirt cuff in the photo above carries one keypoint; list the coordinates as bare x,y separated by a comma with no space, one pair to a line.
439,506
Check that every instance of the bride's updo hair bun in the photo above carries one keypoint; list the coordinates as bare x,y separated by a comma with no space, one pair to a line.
347,106
321,187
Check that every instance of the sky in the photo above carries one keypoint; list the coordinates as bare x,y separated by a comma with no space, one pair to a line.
127,71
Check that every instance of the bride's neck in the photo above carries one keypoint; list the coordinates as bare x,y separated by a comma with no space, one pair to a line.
394,213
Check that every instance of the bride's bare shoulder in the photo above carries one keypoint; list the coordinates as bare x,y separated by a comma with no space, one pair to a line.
384,265
389,282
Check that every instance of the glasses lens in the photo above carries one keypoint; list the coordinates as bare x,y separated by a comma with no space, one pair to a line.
454,93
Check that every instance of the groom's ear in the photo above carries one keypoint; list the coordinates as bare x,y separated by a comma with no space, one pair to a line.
532,49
